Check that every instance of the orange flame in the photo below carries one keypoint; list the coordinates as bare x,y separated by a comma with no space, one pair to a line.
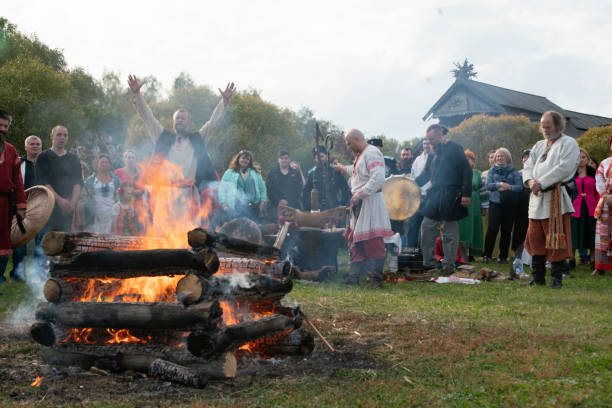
37,381
173,201
124,336
140,289
78,336
237,312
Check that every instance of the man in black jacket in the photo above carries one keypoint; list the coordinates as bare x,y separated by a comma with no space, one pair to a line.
33,146
447,200
338,187
283,184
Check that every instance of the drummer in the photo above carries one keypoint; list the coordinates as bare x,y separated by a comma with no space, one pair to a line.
33,146
11,190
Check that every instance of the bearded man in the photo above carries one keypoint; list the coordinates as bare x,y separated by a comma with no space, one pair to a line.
185,149
369,220
12,195
551,163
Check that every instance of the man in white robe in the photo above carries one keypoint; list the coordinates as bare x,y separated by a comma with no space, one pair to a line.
369,221
552,162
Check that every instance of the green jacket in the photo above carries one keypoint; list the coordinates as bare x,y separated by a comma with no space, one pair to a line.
228,188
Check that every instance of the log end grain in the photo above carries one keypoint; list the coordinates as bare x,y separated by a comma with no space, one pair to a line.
53,290
53,243
43,333
197,238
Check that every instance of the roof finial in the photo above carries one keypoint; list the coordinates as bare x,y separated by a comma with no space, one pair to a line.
464,71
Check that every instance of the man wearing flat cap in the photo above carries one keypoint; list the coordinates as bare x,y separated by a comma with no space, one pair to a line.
339,191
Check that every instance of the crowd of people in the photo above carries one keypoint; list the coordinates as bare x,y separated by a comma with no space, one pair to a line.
557,204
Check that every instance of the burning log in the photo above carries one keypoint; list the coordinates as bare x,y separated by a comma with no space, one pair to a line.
296,342
207,344
121,315
67,244
277,269
125,264
200,238
193,288
169,371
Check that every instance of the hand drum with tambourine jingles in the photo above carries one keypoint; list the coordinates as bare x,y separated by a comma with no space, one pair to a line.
402,197
40,203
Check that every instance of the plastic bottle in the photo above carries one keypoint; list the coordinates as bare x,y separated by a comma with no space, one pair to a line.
517,266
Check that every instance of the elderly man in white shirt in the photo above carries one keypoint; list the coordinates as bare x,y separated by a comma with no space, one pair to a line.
552,162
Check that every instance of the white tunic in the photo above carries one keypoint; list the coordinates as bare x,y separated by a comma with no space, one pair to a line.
367,179
560,166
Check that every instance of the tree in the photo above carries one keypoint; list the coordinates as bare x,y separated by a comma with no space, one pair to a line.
595,141
464,71
483,133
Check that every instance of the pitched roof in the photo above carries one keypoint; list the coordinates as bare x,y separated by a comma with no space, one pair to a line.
496,95
584,121
500,99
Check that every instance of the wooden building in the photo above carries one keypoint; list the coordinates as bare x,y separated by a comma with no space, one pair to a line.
467,97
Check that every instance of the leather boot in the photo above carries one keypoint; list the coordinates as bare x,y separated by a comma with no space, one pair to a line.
376,274
356,270
538,265
557,270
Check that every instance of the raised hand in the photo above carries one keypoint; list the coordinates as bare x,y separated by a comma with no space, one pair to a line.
134,84
227,94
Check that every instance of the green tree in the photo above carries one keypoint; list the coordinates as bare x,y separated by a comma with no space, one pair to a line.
595,141
483,133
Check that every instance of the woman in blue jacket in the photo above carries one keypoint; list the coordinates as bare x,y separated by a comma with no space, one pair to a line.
505,185
242,191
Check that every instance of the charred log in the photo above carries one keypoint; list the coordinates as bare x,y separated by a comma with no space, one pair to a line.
126,264
278,269
200,238
46,333
296,342
169,371
68,244
193,288
207,344
204,315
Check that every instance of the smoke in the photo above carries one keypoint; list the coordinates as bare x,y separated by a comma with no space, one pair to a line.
237,279
34,271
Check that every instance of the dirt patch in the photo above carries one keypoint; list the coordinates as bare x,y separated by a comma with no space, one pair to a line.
20,363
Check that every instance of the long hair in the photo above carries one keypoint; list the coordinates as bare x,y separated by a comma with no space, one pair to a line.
470,155
235,165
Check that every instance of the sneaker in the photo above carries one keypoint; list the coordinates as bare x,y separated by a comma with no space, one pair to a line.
485,259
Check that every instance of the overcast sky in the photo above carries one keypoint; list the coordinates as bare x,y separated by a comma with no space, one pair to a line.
374,65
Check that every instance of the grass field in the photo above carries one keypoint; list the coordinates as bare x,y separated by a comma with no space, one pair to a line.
443,345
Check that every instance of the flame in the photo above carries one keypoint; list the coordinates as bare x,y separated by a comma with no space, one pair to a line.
37,381
172,202
124,336
140,289
238,312
78,336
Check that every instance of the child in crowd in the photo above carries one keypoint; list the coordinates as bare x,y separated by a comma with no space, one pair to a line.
126,222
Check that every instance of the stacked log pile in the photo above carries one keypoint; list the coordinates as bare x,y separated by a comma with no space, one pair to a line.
91,319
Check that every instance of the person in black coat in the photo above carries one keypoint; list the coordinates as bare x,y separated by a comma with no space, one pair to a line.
283,184
447,200
339,190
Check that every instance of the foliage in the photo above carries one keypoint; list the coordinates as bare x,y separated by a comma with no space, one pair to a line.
464,71
483,133
595,141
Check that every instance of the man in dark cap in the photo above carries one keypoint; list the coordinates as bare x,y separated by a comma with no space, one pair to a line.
339,191
391,166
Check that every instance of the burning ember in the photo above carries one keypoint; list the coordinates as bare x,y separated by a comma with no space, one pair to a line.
37,381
